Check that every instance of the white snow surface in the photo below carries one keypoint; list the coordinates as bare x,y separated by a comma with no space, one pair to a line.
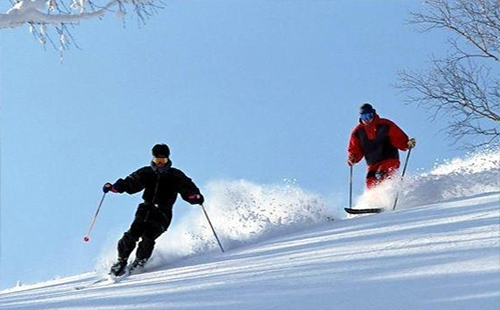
440,249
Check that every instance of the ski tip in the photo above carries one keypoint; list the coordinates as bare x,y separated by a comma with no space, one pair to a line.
91,284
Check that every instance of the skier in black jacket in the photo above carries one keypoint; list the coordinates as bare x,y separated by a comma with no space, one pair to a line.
161,184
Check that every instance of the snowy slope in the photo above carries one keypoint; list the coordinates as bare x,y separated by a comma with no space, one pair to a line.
440,254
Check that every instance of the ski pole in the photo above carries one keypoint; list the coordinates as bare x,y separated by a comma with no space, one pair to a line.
211,226
402,176
87,237
350,187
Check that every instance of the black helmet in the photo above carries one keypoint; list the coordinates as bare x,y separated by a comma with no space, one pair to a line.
366,108
161,150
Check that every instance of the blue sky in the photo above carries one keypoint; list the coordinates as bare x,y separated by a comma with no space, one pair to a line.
264,91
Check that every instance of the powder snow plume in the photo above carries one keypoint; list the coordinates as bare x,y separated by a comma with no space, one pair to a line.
477,173
242,213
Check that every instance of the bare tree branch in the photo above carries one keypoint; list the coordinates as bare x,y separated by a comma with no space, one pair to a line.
465,86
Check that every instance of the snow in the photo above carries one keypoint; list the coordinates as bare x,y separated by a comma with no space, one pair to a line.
440,249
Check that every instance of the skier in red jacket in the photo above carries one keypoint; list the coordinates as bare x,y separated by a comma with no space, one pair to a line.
378,141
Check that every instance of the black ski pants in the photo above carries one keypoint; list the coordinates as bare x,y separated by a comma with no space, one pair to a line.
149,223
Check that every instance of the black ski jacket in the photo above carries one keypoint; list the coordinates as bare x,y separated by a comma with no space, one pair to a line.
160,188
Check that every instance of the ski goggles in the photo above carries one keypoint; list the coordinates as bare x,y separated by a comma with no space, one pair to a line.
366,116
160,160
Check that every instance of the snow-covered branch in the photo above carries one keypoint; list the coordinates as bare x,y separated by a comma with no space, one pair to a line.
58,14
39,12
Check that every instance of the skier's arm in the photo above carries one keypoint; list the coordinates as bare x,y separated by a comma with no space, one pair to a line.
354,151
132,184
398,137
188,190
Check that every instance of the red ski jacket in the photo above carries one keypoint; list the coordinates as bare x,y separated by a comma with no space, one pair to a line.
377,141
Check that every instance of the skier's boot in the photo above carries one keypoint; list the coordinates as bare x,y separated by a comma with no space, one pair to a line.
138,265
119,268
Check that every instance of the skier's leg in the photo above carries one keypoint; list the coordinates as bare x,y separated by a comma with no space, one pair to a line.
371,179
147,243
146,246
127,243
154,228
388,168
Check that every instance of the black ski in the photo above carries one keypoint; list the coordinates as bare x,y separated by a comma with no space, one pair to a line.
363,211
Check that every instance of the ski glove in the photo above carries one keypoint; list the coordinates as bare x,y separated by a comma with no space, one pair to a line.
108,187
196,199
411,143
115,188
351,160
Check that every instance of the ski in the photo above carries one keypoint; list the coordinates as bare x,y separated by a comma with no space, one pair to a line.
110,279
107,280
363,211
94,283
